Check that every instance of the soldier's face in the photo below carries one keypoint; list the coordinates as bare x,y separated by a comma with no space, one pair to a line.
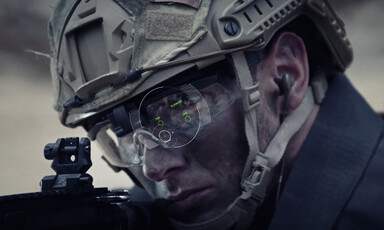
196,182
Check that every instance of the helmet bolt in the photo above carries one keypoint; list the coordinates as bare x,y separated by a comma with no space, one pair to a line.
123,37
231,28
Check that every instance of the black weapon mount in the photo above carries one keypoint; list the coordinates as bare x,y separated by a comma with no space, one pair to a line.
68,199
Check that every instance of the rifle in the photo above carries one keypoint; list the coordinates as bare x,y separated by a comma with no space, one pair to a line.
68,199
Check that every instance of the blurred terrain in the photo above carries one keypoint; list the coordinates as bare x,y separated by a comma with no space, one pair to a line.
28,121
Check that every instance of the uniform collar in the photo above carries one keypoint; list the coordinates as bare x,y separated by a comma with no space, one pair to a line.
331,161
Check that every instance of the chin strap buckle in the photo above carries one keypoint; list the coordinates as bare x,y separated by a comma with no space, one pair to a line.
256,184
251,97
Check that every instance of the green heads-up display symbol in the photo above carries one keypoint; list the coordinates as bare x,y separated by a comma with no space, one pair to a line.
187,117
169,117
176,103
159,122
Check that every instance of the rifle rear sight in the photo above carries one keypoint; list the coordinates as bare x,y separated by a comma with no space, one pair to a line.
69,155
71,160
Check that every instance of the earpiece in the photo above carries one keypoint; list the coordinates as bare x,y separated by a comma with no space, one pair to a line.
285,84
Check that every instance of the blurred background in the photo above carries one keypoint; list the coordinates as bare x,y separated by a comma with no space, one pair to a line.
28,121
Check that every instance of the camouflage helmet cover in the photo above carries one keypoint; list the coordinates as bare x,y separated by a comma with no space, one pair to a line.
95,43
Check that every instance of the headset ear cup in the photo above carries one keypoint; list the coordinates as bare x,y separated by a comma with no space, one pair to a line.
285,84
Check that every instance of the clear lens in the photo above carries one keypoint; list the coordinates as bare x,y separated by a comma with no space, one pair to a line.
122,151
167,117
170,117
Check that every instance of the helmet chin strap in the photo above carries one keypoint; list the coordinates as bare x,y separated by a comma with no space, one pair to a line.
240,213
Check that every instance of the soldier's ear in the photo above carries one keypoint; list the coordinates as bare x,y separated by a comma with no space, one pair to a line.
289,58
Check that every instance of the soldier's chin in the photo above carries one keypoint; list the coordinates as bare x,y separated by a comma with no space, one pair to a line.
193,208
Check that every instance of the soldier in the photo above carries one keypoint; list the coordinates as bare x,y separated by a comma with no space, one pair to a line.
231,114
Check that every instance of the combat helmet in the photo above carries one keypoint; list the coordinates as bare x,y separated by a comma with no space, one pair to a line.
106,54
